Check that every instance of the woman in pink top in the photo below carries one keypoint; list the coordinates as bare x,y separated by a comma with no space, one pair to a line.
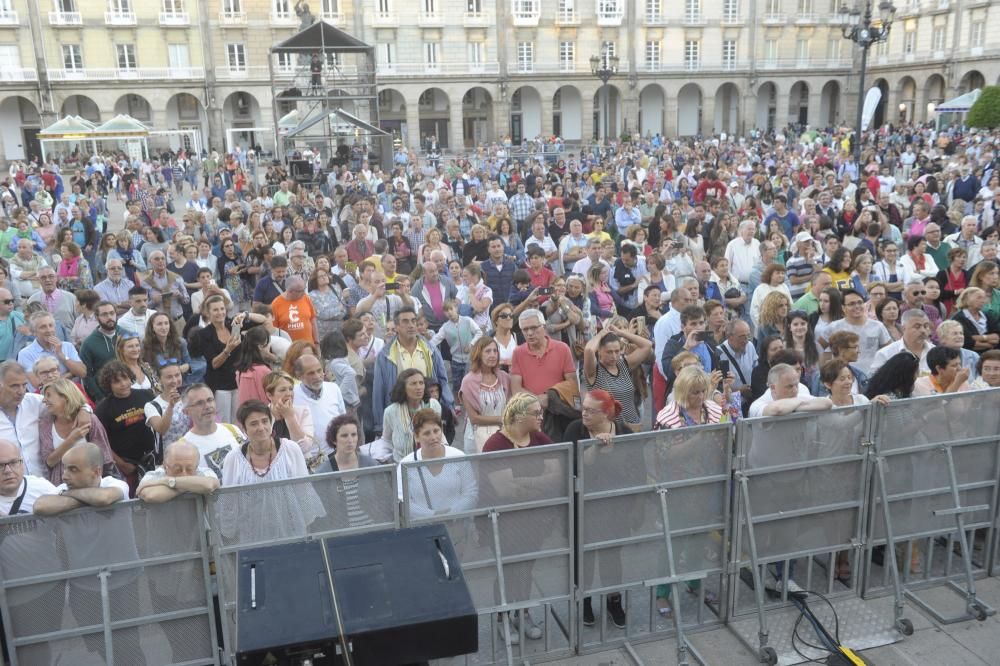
254,364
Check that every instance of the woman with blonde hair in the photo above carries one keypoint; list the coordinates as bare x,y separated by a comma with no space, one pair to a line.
986,276
692,404
521,425
602,303
128,349
290,422
64,424
773,313
982,330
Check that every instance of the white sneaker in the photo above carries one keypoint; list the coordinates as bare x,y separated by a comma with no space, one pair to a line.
791,585
531,630
514,637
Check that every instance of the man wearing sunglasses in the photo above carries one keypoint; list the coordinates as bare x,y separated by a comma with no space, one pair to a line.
12,326
914,299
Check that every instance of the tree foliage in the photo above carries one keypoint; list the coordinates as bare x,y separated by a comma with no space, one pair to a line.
985,113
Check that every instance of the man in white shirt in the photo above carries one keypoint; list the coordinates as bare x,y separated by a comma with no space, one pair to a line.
19,491
916,340
323,399
82,484
785,394
19,411
180,473
134,321
593,256
743,252
213,440
967,239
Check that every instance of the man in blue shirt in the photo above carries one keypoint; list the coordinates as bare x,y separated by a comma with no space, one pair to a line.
789,220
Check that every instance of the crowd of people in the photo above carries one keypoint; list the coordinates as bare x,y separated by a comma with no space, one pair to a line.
236,329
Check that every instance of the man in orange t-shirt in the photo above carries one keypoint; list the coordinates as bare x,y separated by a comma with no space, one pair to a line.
294,312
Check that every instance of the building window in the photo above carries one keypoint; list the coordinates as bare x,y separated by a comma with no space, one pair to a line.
938,38
178,56
525,56
976,33
802,50
805,8
909,42
730,11
125,56
729,54
431,55
66,6
119,6
10,57
653,56
385,55
173,7
330,8
72,57
476,57
654,9
692,11
473,6
770,50
882,49
526,9
236,57
232,7
609,49
567,56
833,50
692,54
284,63
772,7
610,9
282,9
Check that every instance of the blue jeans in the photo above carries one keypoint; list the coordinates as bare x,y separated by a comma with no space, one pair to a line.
458,369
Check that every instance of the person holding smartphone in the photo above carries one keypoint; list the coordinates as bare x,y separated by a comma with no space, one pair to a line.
693,338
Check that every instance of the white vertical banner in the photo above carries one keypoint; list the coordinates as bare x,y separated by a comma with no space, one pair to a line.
872,99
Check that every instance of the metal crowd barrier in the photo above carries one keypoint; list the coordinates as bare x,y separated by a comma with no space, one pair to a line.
290,511
934,500
800,507
653,514
126,584
510,517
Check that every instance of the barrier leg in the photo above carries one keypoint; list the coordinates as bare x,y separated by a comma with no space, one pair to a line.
903,625
504,616
766,654
682,647
109,649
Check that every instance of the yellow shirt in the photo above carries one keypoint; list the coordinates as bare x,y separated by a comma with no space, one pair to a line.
416,360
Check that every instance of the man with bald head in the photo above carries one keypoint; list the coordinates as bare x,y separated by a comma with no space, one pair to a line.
82,483
432,290
19,491
166,289
294,312
323,399
180,473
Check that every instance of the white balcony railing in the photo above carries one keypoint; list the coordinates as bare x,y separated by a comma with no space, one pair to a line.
475,19
386,19
232,18
115,74
283,18
567,17
555,67
807,19
526,13
65,18
337,18
430,19
8,17
175,19
119,18
773,19
732,19
804,63
700,66
610,16
18,74
694,18
442,68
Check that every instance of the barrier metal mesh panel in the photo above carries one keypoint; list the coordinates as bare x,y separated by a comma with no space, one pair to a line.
289,511
910,441
531,493
154,561
806,479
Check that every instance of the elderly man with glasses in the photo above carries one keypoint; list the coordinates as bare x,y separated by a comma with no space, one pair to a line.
115,288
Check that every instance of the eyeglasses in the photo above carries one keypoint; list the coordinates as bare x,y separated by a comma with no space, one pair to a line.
504,315
10,464
591,410
918,293
8,301
854,304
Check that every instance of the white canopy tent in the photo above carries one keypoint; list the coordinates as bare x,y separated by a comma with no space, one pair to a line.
960,104
70,128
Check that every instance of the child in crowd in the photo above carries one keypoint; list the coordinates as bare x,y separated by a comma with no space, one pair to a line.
459,331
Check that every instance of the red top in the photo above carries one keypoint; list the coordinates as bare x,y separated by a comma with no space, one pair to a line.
500,442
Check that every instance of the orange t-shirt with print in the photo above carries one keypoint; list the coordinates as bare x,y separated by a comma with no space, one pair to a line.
294,317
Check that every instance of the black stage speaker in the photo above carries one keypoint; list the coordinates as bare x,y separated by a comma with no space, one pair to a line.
401,597
301,171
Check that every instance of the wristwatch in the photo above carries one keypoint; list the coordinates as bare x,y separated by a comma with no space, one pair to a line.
171,482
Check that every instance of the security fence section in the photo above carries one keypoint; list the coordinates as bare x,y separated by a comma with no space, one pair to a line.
934,500
510,517
566,549
127,584
279,512
800,508
653,518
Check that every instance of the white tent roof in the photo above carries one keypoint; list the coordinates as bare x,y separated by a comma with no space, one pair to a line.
960,104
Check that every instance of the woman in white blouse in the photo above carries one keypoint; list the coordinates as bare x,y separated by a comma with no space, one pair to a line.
435,489
262,457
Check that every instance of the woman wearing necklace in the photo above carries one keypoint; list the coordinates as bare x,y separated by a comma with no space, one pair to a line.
484,393
263,457
601,420
409,395
438,488
128,349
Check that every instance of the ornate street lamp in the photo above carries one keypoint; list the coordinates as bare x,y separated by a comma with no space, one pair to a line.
863,31
604,67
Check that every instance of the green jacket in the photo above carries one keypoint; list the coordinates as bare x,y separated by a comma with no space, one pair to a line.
97,349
